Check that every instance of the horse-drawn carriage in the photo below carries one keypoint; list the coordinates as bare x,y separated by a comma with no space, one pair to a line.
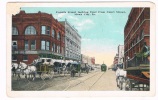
85,67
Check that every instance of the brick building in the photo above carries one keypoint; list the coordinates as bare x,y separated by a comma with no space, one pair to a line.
36,35
136,31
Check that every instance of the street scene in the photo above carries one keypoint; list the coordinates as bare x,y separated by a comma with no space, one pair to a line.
81,49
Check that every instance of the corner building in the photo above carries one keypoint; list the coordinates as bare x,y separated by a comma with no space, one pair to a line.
136,31
36,35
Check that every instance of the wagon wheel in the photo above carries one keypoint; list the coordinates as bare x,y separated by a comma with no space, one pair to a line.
43,75
120,83
117,81
128,85
50,74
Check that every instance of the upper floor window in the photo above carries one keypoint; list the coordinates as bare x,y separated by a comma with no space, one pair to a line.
26,45
30,30
53,47
14,45
14,31
45,45
58,36
45,30
33,44
53,33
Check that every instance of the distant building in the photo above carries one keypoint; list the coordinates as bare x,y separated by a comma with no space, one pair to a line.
136,31
89,60
36,35
120,54
115,62
72,42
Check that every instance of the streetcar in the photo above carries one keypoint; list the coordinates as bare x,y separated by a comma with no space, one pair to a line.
103,67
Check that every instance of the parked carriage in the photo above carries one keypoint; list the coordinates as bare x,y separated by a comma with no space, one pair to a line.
85,67
73,68
103,67
44,70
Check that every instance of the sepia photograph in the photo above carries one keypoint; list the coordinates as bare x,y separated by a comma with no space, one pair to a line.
77,48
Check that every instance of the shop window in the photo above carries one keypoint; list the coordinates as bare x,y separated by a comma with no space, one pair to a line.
30,30
25,57
14,31
14,57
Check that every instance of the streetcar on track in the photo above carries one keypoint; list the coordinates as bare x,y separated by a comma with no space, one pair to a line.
103,67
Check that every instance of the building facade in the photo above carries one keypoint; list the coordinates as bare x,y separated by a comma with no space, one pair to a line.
120,54
136,31
72,42
89,60
36,35
115,62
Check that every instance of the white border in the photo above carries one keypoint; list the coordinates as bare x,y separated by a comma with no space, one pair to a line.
100,94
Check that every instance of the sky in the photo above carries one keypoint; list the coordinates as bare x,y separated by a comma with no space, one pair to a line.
101,31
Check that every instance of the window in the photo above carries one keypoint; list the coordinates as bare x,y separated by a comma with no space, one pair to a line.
53,47
45,30
58,36
25,58
30,30
47,45
53,33
58,49
33,45
14,31
42,45
26,45
14,45
14,57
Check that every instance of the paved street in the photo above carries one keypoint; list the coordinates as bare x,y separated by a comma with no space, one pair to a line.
94,81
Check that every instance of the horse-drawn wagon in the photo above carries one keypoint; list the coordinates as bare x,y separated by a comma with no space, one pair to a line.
137,72
73,68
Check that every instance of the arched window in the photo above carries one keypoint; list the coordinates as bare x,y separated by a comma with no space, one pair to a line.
30,30
14,31
53,33
58,36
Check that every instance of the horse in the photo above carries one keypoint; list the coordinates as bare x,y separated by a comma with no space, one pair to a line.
16,70
28,70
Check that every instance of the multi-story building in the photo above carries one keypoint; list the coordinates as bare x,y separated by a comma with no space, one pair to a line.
120,54
136,32
115,62
36,35
72,42
89,60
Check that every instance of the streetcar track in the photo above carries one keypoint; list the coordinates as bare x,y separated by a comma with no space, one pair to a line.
69,87
96,81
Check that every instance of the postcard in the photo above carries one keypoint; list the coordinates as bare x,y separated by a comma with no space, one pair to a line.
78,49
